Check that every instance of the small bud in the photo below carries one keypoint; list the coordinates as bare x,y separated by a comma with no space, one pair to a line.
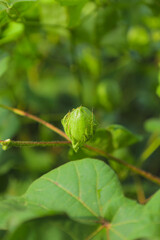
5,144
79,125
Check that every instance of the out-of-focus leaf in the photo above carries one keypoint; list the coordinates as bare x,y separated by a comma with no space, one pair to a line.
58,226
5,163
21,1
4,59
109,94
158,90
158,87
108,139
13,9
121,137
74,13
9,124
21,5
90,62
105,22
138,36
38,161
151,147
152,125
78,155
53,13
121,170
3,18
17,210
12,32
71,2
3,5
102,139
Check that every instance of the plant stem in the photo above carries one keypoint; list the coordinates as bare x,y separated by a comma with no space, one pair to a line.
133,168
9,142
139,189
30,116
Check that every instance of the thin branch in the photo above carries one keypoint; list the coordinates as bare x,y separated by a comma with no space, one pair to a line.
139,189
37,119
10,143
143,173
133,168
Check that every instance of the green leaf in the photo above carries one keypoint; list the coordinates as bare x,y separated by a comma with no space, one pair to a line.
3,18
74,14
83,202
4,59
152,217
14,9
158,90
127,223
4,8
109,94
65,190
121,137
3,5
21,1
13,211
71,2
19,7
102,139
152,125
112,138
88,191
12,32
53,13
151,147
61,227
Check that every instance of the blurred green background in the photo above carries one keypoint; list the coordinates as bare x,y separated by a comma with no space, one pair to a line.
57,55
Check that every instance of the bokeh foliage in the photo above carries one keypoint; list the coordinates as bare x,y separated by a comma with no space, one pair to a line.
57,55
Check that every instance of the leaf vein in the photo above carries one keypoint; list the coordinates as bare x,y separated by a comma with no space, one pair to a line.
98,200
118,234
78,176
72,195
126,222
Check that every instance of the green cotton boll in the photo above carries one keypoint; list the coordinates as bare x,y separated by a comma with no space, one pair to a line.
79,125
